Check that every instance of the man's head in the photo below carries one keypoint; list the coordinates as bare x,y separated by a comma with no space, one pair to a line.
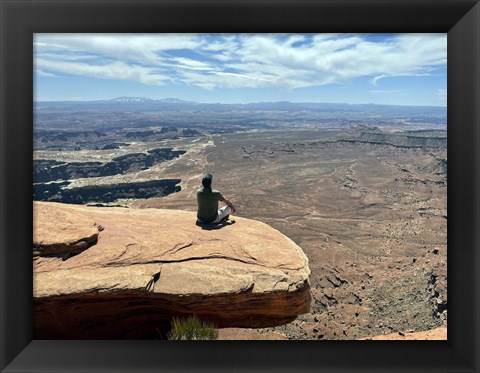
207,181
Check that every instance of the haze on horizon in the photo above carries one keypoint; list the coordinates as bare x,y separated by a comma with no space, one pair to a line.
390,69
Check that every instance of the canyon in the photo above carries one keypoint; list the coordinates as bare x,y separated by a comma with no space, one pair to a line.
362,193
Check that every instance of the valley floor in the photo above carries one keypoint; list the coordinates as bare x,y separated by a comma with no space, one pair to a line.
371,217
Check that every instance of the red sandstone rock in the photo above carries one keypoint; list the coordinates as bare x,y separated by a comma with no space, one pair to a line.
148,265
435,334
56,231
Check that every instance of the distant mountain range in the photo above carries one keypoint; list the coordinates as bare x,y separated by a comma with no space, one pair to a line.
273,104
144,99
143,112
333,110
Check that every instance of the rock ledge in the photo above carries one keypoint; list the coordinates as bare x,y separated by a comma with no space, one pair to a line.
110,273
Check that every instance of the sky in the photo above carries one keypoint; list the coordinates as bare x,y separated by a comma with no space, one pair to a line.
394,69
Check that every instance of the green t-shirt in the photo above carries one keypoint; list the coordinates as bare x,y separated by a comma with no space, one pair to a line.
207,200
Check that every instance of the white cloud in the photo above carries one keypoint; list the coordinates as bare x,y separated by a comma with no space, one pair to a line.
241,60
67,57
140,48
377,78
442,95
187,63
385,91
115,70
44,73
223,79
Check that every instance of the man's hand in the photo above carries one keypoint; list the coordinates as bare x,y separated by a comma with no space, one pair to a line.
230,204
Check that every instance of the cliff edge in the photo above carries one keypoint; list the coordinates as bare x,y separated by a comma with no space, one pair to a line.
116,273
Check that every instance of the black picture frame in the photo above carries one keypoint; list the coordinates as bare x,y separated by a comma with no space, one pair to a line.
21,18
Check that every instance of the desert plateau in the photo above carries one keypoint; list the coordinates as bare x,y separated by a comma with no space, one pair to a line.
360,190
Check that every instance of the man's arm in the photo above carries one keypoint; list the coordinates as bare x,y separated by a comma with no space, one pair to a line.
229,204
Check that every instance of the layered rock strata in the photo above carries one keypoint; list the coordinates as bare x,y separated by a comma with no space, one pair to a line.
140,267
45,170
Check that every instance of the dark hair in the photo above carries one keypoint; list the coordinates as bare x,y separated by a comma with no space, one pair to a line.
207,181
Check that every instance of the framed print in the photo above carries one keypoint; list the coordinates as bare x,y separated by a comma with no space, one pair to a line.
236,43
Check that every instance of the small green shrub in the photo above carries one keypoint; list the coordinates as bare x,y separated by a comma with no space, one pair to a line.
191,328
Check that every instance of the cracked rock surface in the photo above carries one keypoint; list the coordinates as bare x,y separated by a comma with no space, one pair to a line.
139,268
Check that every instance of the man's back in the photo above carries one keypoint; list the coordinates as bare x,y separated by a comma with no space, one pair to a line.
207,200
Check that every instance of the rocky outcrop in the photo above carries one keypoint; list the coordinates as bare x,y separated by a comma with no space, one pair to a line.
187,132
144,266
45,170
168,129
61,234
57,192
401,140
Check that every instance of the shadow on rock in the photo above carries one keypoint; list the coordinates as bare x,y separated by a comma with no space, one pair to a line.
210,226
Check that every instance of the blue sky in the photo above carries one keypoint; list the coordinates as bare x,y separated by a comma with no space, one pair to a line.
398,69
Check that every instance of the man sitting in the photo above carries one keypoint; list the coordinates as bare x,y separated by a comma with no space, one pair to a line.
207,199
